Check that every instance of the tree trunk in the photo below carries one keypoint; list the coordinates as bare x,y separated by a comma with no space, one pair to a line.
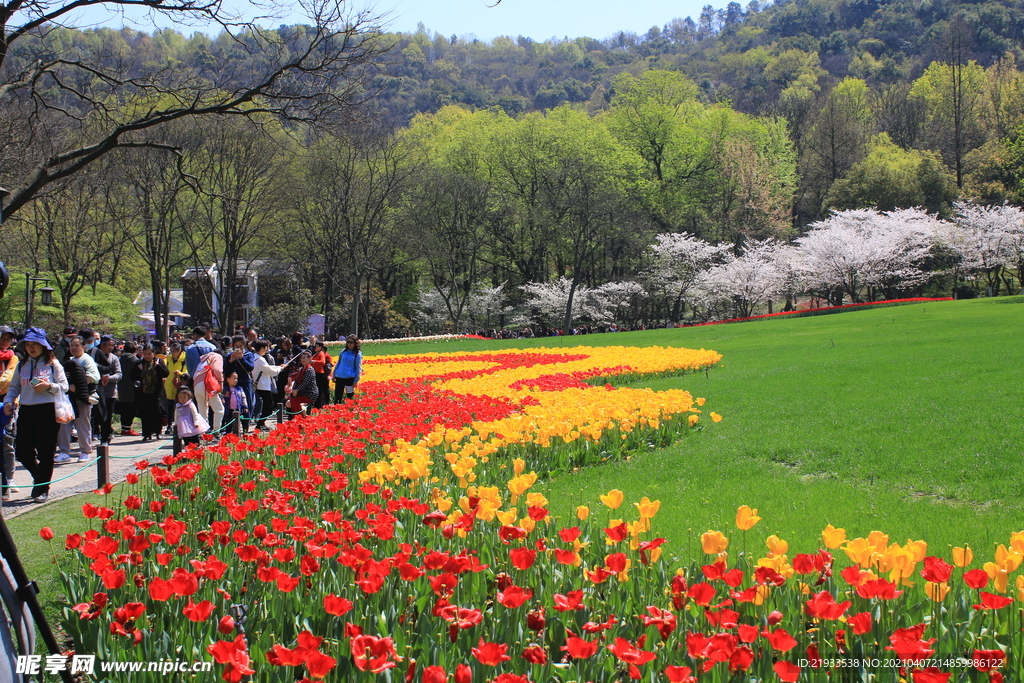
356,291
567,320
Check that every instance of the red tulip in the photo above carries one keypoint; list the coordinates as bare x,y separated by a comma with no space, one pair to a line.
992,601
234,655
535,655
490,654
976,578
513,597
787,671
629,653
861,623
679,674
198,612
226,625
578,648
463,674
570,602
824,606
336,606
780,640
522,558
373,654
434,674
931,675
46,533
988,660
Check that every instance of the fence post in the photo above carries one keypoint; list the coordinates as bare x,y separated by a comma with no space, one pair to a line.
236,422
280,413
176,443
102,465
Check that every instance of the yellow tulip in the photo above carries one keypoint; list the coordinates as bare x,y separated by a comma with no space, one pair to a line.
962,557
518,465
714,542
746,517
648,508
833,537
1008,559
693,419
936,591
715,417
536,500
1000,577
879,540
1020,588
507,517
859,551
701,402
776,546
528,524
582,512
612,499
1017,541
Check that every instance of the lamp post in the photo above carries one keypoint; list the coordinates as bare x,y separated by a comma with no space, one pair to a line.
30,296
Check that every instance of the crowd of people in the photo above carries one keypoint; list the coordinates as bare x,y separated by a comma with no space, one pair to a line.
78,387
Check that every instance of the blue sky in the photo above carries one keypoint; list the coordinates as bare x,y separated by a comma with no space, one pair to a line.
537,19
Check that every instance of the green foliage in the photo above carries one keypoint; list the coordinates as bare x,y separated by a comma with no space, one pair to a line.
102,308
890,177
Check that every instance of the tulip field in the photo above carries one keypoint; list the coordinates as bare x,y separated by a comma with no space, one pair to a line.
409,536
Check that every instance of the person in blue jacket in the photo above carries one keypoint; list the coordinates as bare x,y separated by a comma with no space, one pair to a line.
200,348
348,369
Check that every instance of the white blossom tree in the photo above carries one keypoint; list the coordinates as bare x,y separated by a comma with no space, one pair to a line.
745,282
551,300
611,300
677,262
861,252
984,240
438,308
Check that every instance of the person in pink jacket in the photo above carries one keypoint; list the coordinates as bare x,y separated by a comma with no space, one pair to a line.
209,381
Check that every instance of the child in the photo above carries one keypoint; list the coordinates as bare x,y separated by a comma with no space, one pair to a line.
187,420
234,399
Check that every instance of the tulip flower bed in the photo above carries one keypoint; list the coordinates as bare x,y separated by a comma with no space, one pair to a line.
397,538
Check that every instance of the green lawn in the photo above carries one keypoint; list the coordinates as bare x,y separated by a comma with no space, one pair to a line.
906,419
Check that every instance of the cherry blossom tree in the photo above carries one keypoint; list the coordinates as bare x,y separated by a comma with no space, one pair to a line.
745,282
559,300
611,301
677,262
862,252
984,240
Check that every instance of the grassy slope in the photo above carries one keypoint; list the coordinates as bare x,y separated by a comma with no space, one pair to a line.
908,420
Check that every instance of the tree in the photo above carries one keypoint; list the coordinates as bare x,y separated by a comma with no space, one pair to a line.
238,166
862,252
677,262
309,73
953,94
348,199
836,140
747,281
890,177
984,239
163,203
72,235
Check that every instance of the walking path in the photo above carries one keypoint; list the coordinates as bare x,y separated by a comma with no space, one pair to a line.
75,477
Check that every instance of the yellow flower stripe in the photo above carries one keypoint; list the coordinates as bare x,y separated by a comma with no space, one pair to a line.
574,414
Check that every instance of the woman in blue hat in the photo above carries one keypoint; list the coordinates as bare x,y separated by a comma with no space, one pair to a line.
40,380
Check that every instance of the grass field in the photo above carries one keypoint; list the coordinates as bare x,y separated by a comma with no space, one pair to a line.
909,420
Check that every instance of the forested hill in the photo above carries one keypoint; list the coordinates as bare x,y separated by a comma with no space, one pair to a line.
749,56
